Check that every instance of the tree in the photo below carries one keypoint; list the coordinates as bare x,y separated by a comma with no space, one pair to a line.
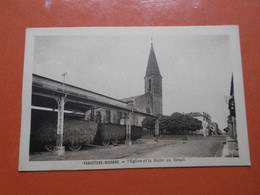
177,123
148,123
163,122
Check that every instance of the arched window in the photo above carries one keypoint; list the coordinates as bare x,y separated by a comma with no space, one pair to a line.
150,85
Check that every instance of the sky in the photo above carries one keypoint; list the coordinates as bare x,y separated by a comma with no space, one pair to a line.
196,69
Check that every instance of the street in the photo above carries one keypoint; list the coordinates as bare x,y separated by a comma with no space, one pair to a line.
205,147
143,148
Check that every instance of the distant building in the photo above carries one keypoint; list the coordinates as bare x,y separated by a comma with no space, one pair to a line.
205,119
150,102
214,130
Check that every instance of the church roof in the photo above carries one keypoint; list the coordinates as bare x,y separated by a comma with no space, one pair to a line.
152,66
130,98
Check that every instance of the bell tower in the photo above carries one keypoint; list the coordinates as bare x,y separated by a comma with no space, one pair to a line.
153,82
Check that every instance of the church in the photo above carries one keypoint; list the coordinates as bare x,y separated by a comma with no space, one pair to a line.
150,102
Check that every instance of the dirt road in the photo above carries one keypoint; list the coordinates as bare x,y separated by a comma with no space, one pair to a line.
148,148
207,147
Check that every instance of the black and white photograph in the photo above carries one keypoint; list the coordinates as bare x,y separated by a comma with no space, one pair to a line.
132,97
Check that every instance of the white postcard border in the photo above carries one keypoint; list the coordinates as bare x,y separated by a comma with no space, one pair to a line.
232,30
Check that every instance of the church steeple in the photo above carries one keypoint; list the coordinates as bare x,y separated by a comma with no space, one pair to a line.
152,65
153,82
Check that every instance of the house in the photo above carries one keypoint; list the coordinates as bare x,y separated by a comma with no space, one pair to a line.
205,119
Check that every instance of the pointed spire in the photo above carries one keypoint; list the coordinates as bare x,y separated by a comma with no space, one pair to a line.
232,87
152,66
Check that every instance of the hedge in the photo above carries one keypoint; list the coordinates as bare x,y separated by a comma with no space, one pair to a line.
136,132
76,132
109,131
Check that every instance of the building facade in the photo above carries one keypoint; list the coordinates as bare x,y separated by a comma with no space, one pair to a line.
214,130
205,119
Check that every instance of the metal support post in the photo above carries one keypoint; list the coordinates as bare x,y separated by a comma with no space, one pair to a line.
157,133
92,114
128,128
59,150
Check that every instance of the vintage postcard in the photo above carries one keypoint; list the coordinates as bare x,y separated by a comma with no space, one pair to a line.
132,97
